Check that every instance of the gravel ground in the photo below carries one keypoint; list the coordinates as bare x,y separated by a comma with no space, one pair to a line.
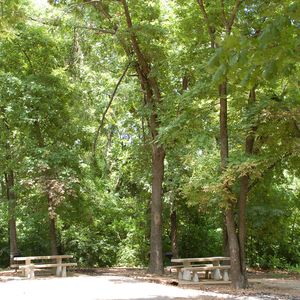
100,287
85,287
126,283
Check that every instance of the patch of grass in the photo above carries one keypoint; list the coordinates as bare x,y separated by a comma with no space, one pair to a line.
294,269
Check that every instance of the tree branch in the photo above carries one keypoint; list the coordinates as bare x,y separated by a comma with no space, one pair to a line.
224,14
111,98
84,2
98,30
141,59
233,15
211,29
27,56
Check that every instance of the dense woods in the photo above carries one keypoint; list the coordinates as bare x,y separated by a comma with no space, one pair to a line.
130,129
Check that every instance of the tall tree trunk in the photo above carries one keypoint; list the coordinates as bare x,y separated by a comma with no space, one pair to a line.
173,233
242,203
156,258
237,277
226,251
12,203
52,222
10,195
152,98
224,152
53,236
51,206
244,190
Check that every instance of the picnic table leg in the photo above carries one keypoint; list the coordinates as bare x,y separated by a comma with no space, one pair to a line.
180,275
186,275
195,277
216,273
26,271
29,271
58,268
64,271
225,275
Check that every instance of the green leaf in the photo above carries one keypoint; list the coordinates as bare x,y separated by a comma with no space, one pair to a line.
270,70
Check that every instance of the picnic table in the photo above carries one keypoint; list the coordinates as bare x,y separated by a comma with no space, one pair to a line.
188,267
32,263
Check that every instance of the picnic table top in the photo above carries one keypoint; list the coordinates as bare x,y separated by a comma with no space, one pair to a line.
200,259
41,257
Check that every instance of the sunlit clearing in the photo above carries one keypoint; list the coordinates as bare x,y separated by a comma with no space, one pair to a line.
42,4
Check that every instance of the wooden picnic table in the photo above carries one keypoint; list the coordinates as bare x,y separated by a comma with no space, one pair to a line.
30,264
195,264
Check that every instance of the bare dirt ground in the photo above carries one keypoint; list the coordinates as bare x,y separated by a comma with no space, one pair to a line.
126,283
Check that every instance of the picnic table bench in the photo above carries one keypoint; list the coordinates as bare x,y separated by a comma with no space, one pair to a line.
32,263
189,267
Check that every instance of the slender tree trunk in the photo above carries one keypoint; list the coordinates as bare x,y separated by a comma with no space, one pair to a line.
12,203
238,280
226,251
156,259
173,233
53,236
152,98
244,190
223,125
11,196
237,276
51,207
52,222
242,203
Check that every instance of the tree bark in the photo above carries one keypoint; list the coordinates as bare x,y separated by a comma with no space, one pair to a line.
11,196
53,236
223,125
224,152
12,203
152,98
173,233
242,205
226,251
51,208
237,277
156,258
243,196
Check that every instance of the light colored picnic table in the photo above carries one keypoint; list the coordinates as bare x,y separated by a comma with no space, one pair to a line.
30,258
189,261
187,264
29,266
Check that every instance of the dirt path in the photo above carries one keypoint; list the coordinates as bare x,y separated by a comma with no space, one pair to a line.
84,287
107,287
123,284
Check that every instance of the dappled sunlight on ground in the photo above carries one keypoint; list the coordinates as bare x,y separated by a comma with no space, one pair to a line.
97,287
135,284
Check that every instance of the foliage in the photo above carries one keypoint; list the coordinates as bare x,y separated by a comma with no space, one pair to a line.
58,70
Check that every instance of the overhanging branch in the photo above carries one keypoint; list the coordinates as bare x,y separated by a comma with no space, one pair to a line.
111,98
